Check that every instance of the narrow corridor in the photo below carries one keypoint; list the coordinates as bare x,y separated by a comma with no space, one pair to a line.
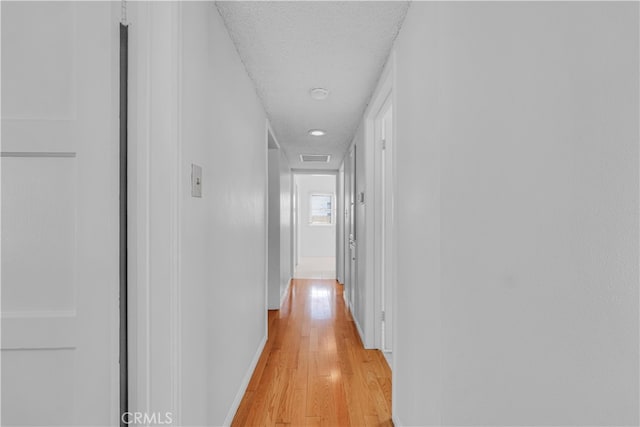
454,185
314,369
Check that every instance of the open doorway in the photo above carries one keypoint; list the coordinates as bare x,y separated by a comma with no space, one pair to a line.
279,236
315,226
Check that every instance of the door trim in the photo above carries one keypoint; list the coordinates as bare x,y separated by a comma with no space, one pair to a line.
155,159
373,313
123,208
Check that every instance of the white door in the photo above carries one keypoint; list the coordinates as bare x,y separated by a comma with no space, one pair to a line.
384,123
346,217
59,213
353,270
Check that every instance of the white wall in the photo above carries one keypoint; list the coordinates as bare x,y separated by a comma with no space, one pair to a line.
223,233
417,383
315,240
517,202
206,294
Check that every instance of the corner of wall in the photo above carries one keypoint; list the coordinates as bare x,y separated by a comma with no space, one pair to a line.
360,333
396,421
245,383
285,292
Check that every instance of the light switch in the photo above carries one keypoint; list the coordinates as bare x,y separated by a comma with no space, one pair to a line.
196,180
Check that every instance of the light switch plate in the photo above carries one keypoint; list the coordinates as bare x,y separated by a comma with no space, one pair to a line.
196,180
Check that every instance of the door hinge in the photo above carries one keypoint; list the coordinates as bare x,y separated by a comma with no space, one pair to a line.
382,316
383,144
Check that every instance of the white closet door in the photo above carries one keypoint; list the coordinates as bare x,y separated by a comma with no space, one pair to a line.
59,170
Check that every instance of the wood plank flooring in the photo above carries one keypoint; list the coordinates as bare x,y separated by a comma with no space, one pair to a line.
314,370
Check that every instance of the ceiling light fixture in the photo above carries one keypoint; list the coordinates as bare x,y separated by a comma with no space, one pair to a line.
317,132
319,93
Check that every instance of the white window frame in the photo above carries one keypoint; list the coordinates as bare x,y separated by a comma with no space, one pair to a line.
333,209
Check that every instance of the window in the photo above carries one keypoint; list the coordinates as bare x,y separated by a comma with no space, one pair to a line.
321,209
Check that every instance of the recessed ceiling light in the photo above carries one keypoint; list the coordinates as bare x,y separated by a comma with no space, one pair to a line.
319,93
317,132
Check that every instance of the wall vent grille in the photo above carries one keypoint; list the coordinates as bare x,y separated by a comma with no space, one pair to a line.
316,158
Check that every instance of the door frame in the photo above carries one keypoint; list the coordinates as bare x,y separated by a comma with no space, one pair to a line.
272,145
154,178
294,228
385,260
123,210
384,92
340,226
296,172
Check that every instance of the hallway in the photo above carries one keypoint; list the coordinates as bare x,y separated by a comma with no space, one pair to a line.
338,213
314,369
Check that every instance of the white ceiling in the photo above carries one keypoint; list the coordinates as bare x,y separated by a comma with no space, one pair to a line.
290,47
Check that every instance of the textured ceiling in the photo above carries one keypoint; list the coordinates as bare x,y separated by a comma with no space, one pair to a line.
290,47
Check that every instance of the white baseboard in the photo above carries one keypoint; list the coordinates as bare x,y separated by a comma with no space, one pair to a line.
388,357
286,291
350,308
355,320
359,331
245,383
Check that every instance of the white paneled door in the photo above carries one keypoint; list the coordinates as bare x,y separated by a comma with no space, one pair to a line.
384,134
59,170
388,224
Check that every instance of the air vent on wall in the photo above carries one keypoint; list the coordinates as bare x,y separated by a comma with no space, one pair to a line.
321,158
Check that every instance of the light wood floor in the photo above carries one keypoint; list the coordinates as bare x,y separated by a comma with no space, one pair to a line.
314,370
